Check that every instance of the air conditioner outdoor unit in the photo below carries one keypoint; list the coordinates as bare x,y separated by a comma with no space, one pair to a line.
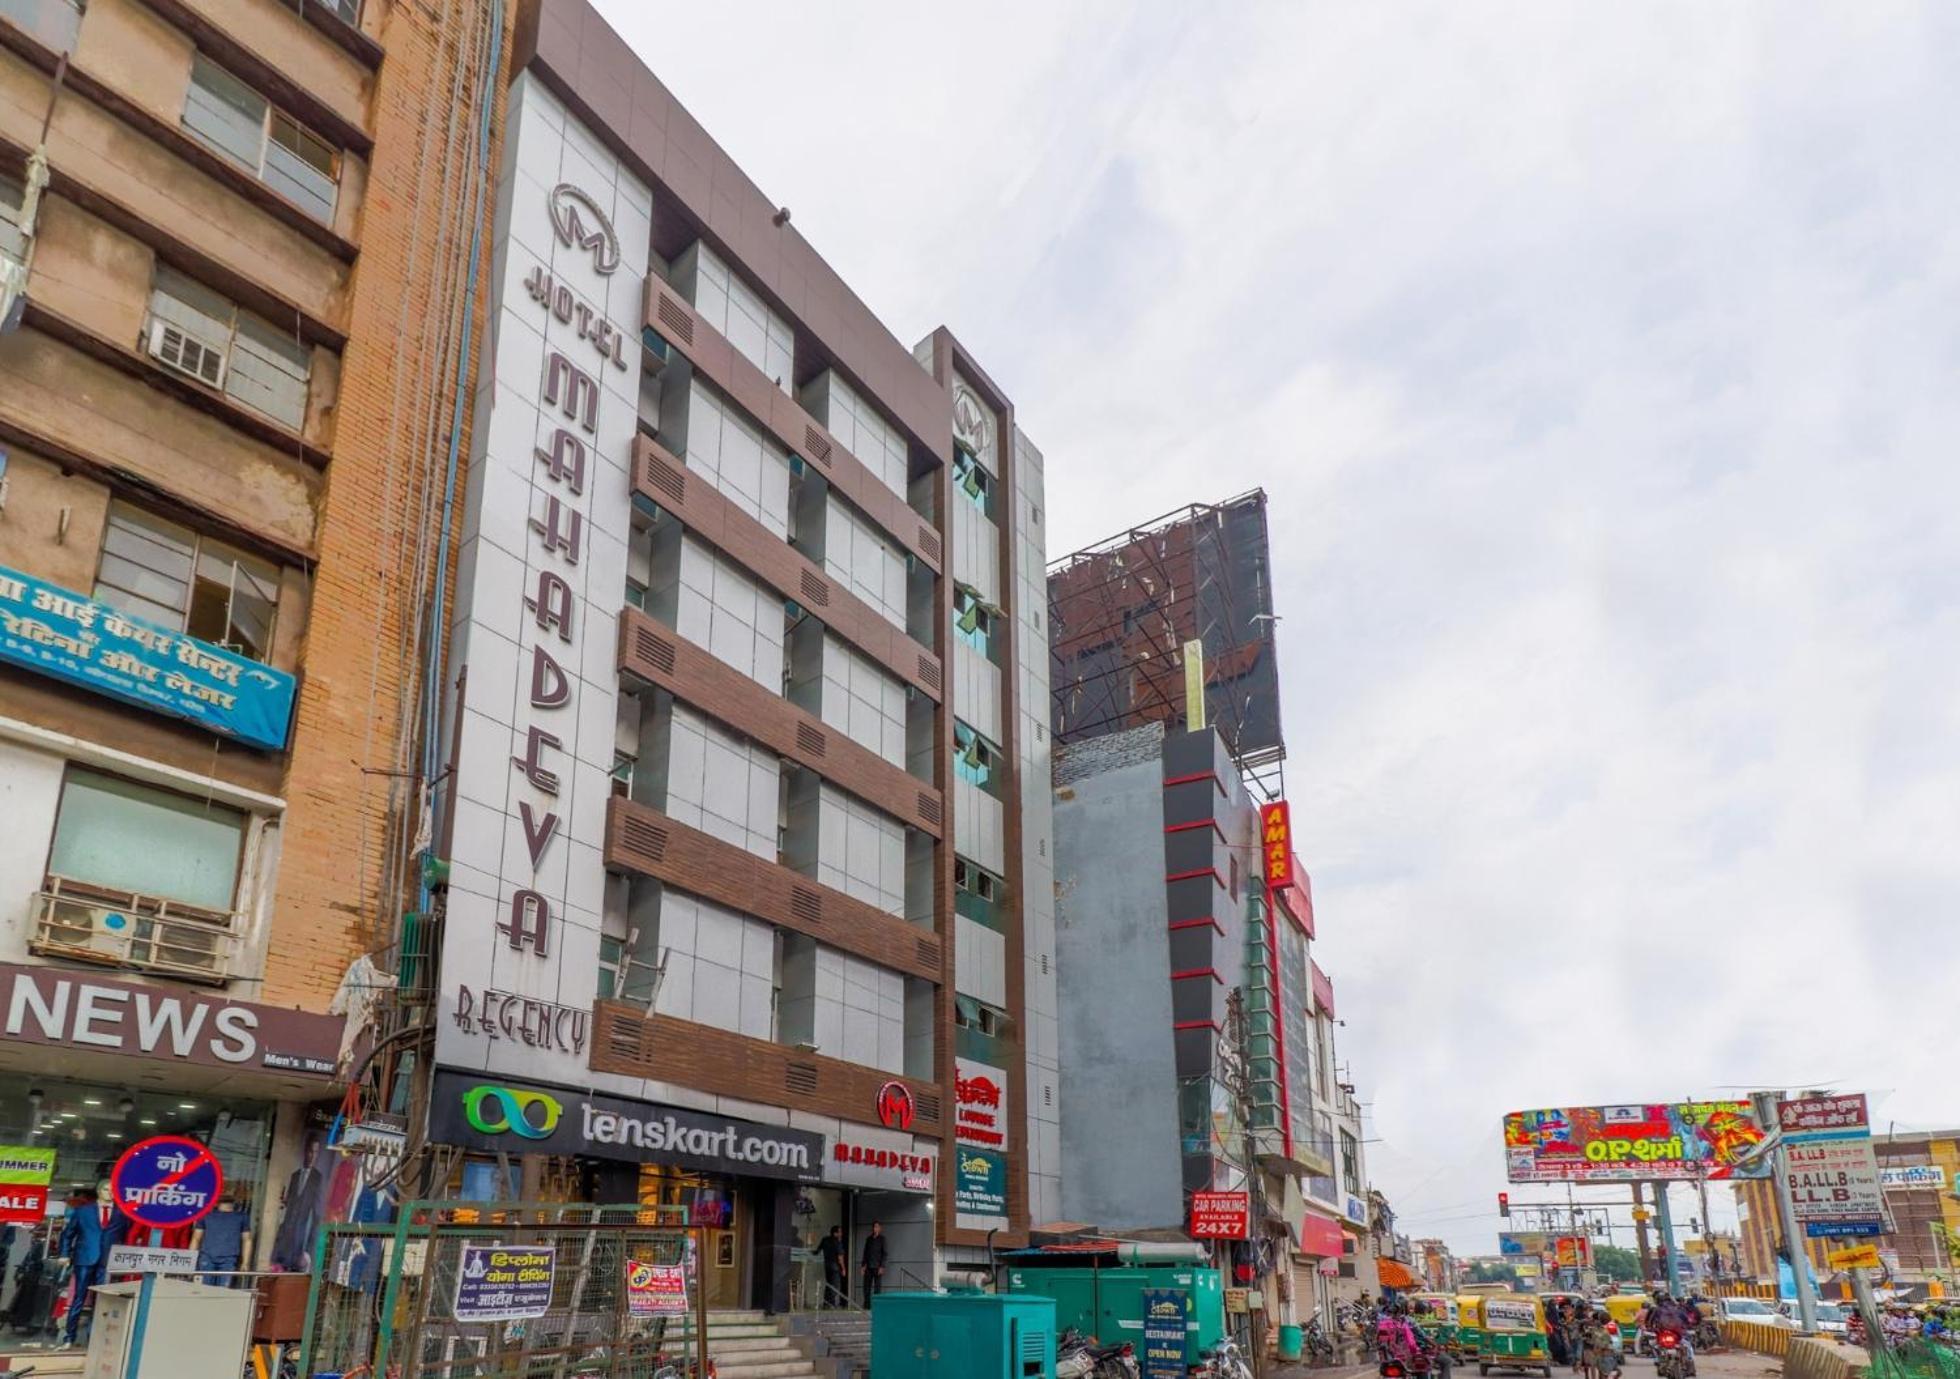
186,354
134,936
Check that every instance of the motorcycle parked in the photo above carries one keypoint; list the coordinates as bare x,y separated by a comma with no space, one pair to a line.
1223,1361
1319,1347
1080,1357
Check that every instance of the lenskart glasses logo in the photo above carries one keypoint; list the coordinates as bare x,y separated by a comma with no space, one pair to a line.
571,210
529,1115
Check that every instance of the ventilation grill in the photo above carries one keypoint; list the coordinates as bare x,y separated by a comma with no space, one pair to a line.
186,355
810,741
800,1078
929,544
675,318
928,1106
1044,964
816,592
817,444
805,905
668,480
653,648
929,673
648,840
929,953
1047,1094
929,808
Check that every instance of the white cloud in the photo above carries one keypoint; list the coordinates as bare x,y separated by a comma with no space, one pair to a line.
1600,364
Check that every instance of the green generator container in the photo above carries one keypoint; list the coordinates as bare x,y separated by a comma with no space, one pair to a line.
1108,1303
962,1336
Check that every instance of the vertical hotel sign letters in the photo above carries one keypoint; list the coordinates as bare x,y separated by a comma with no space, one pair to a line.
1276,844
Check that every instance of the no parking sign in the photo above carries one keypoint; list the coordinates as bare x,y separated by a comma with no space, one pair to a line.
166,1182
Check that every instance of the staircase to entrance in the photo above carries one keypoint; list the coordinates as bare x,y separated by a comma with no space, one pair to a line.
754,1345
846,1333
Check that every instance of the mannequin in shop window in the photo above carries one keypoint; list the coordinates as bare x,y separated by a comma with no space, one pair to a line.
91,1231
223,1242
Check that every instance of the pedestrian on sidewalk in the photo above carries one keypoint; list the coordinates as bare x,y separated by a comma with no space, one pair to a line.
832,1250
872,1262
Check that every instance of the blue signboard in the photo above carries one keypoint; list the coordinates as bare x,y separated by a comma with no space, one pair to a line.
166,1182
1163,1333
45,628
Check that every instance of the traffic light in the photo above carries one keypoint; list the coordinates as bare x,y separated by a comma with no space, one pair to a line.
1504,1205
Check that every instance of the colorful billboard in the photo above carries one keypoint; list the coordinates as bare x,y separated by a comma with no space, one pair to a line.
1681,1141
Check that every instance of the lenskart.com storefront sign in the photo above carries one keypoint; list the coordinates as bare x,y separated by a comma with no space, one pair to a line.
47,1006
481,1111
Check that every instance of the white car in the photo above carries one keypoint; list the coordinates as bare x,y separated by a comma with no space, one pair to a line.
1832,1319
1754,1311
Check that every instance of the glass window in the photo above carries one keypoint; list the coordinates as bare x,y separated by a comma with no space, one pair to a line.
971,479
1350,1162
124,836
53,23
229,116
973,621
172,576
13,244
259,365
975,760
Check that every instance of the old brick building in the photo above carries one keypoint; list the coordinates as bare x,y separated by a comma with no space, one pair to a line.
234,257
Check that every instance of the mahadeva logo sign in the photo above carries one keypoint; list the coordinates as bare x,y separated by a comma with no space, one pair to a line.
504,1110
571,210
896,1107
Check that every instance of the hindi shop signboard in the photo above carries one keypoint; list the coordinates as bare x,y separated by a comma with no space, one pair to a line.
167,1182
981,1090
655,1290
1833,1173
1683,1141
1221,1216
55,632
504,1283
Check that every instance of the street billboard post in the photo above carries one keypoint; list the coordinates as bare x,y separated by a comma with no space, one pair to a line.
1835,1188
1683,1141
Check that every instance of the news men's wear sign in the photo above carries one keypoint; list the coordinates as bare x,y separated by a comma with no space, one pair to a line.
1833,1173
504,1283
59,633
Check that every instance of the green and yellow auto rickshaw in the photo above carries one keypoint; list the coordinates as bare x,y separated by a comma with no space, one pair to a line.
1514,1335
1469,1325
1435,1315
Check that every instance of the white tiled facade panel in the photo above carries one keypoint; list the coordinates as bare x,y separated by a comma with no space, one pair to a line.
980,959
842,842
718,782
721,609
1037,839
979,826
863,701
847,1007
732,452
721,966
860,429
976,549
976,689
855,552
732,307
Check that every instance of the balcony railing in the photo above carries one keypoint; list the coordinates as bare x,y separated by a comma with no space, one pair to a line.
82,923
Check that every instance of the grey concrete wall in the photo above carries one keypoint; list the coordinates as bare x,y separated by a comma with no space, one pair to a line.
1120,1164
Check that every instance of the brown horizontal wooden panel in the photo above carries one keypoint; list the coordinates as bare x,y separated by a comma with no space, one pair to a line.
705,510
641,839
669,314
653,653
628,1041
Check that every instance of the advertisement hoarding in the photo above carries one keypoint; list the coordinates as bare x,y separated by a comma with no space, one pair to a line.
1221,1216
1833,1173
1683,1141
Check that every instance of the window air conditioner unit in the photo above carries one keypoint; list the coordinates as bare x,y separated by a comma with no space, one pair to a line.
186,354
142,935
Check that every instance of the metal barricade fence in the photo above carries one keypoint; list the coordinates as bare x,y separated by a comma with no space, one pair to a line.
417,1299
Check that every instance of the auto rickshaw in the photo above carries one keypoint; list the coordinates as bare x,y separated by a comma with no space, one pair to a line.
1469,1325
1514,1335
1624,1310
1435,1315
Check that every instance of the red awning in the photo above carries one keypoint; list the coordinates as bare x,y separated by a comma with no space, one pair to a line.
1323,991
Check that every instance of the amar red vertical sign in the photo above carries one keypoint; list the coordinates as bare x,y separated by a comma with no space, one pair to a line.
1276,843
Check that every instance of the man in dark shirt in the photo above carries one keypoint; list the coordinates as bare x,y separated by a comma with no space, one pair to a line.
872,1261
832,1250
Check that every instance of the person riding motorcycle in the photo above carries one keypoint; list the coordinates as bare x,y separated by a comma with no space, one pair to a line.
1672,1314
1395,1336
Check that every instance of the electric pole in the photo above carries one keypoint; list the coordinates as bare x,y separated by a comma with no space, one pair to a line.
1640,1232
1786,1212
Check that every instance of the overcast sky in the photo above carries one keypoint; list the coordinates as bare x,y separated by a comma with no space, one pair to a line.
1600,362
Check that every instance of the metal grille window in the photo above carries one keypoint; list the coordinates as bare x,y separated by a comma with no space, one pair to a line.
237,121
209,337
177,578
348,11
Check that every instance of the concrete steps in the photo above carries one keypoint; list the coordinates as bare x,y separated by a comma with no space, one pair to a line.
751,1345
